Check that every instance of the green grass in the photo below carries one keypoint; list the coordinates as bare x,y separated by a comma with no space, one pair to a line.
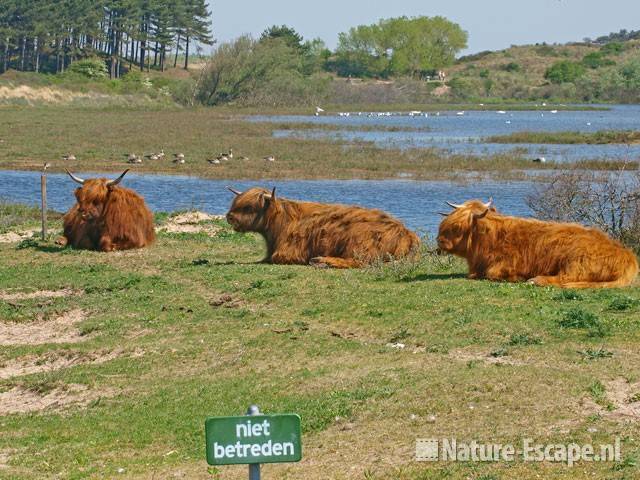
596,138
198,328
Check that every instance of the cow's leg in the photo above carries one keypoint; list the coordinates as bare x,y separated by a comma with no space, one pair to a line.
106,245
545,280
334,262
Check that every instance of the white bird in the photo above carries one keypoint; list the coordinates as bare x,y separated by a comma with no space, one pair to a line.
270,158
554,111
213,161
178,158
70,156
588,124
152,156
502,112
319,111
508,122
540,160
460,113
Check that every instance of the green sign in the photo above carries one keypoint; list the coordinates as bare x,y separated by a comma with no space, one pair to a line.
253,439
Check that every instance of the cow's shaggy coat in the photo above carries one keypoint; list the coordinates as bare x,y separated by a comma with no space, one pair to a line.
108,217
321,234
499,247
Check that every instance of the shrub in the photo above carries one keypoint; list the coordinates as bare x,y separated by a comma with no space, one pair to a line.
90,68
511,67
608,201
596,60
564,71
612,48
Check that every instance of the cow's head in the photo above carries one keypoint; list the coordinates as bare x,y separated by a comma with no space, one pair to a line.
250,210
93,194
455,230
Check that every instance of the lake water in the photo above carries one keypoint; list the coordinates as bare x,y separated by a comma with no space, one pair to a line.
463,134
415,203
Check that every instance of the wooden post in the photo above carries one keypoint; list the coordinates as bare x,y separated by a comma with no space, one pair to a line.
43,190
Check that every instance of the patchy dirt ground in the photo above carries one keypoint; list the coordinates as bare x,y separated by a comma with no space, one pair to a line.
61,329
625,397
22,400
191,222
52,361
15,237
10,296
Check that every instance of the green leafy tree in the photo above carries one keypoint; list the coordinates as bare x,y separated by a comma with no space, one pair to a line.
399,46
564,71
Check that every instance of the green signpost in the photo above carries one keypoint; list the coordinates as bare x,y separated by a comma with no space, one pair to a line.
253,439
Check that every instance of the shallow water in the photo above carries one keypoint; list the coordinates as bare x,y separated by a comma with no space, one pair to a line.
415,203
463,134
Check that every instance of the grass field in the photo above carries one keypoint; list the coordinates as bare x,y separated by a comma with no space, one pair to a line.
151,342
101,139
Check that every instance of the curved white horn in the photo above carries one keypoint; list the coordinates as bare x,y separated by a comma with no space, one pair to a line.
113,183
489,203
453,205
234,191
74,178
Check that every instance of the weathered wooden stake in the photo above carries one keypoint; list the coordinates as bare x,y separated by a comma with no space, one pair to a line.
43,190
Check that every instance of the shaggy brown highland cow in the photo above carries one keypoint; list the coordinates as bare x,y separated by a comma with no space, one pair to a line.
320,234
499,247
107,217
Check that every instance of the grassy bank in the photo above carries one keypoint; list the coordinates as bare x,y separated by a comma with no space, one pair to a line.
101,140
596,138
371,359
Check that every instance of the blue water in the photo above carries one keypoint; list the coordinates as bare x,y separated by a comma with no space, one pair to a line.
415,203
462,134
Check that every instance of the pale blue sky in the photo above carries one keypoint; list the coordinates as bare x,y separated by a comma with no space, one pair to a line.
492,24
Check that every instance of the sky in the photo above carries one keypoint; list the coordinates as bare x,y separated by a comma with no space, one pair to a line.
491,24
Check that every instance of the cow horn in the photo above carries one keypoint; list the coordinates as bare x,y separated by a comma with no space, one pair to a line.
271,196
489,203
113,183
454,205
74,178
233,190
443,214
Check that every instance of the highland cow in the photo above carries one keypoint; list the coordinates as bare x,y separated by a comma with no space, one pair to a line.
499,247
319,234
107,217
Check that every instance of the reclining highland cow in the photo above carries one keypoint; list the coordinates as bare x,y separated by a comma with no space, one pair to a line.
107,217
319,234
499,247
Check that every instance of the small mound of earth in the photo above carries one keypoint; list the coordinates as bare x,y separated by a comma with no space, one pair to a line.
5,456
65,292
625,397
623,400
59,330
191,222
50,362
15,237
23,400
471,356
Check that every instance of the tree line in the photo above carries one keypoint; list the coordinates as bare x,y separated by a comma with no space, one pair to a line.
49,35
